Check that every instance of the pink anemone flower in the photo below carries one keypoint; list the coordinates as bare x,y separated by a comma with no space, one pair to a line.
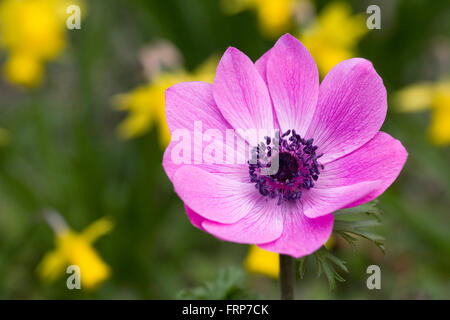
331,151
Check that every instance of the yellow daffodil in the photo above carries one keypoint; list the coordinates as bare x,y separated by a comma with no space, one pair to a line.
73,248
262,262
32,32
23,70
274,16
429,96
333,36
145,104
266,262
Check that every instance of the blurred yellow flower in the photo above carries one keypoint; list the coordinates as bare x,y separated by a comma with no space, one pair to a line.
24,70
73,248
333,36
145,104
330,243
32,32
263,262
428,95
267,263
4,137
274,16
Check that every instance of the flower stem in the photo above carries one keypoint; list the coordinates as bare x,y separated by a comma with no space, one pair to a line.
287,277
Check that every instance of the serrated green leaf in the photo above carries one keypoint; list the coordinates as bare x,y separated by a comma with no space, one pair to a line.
348,223
325,261
369,208
227,286
354,222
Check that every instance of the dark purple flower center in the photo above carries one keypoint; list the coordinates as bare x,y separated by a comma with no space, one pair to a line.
297,168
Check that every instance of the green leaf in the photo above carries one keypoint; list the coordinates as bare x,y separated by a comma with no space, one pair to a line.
369,208
227,286
350,223
326,261
302,267
357,221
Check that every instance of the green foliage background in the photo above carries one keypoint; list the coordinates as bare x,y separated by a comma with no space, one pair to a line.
65,154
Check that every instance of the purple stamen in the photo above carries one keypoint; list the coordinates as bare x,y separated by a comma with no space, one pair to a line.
297,171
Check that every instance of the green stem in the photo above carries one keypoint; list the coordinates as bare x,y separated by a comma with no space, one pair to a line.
287,277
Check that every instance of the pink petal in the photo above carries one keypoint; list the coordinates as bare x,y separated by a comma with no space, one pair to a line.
320,201
214,197
351,109
241,93
186,104
293,82
195,218
261,65
301,235
382,158
263,224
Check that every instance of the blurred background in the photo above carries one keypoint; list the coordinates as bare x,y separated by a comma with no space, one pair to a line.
82,134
